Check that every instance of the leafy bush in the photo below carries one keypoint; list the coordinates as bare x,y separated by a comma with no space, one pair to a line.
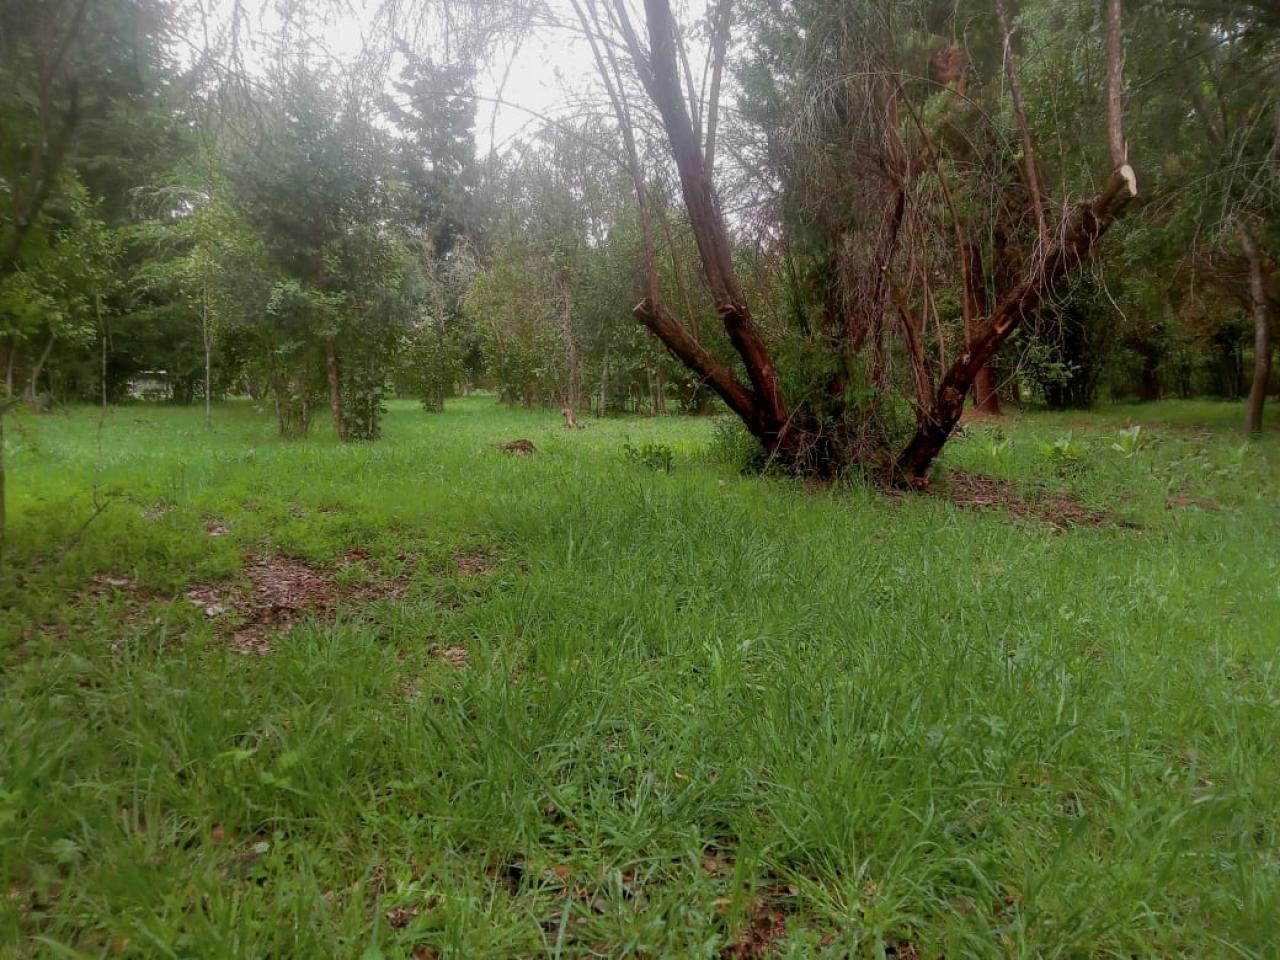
732,444
364,390
1048,373
1068,457
655,456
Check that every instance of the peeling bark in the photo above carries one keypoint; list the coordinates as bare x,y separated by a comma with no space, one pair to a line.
685,348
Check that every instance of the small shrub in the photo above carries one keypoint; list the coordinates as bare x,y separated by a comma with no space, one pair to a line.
999,443
1130,442
655,456
1068,457
732,444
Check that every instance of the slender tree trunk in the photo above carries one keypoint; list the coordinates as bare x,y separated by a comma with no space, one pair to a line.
38,369
335,386
573,387
10,353
604,385
678,275
1261,332
921,374
985,398
102,327
719,45
4,410
1115,85
208,358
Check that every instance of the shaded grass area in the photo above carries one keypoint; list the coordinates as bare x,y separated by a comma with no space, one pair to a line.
686,714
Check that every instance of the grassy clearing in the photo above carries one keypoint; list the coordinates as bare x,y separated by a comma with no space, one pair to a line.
611,711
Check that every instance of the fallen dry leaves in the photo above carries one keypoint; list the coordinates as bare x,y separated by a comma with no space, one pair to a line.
1057,510
471,564
455,656
766,925
1183,500
282,591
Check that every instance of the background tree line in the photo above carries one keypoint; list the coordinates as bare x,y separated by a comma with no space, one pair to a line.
317,234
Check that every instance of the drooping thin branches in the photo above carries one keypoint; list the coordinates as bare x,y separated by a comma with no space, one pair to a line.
1030,166
719,47
1076,238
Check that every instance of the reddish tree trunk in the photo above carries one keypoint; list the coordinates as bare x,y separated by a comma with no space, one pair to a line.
662,81
1086,225
985,398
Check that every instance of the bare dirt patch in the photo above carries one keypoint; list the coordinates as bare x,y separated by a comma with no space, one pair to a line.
280,592
1057,510
457,657
1183,500
767,924
106,583
471,564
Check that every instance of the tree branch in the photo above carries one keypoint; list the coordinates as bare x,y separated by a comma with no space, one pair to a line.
1079,234
1030,167
720,44
1115,85
707,224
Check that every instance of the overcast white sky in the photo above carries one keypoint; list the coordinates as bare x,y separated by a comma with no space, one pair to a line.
548,69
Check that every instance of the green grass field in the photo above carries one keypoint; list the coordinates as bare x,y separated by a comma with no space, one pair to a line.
570,706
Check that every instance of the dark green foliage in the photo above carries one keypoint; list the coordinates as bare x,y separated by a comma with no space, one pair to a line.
364,393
